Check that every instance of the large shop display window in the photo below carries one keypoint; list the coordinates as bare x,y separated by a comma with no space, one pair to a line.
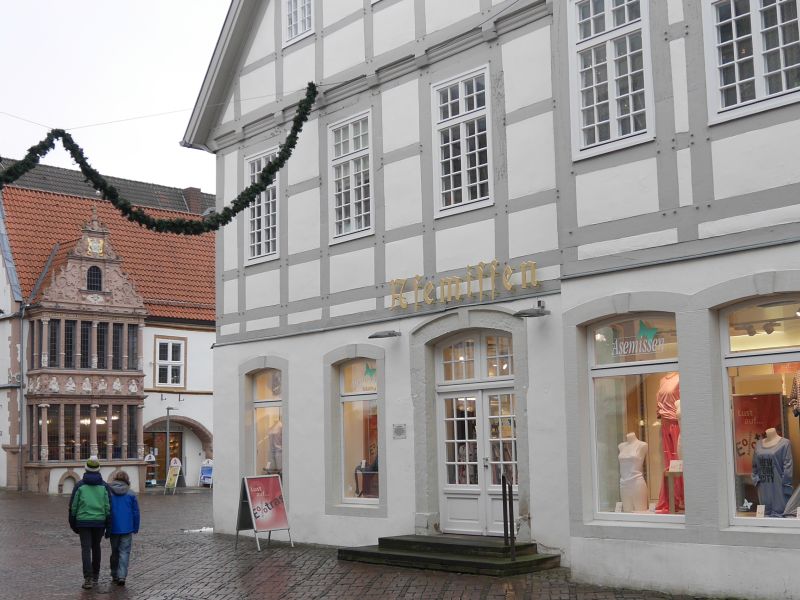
762,364
358,396
636,412
268,417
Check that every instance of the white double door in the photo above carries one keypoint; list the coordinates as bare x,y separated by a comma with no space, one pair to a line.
477,445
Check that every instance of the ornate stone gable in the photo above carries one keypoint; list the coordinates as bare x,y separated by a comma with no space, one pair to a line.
68,283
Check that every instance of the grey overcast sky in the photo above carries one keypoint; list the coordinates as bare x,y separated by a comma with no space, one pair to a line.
72,64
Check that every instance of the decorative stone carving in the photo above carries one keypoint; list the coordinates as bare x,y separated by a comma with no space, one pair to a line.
133,387
43,454
102,385
53,385
69,386
94,299
140,452
86,386
38,385
117,385
45,360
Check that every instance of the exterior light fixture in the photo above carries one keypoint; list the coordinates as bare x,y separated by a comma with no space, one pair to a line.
385,334
537,311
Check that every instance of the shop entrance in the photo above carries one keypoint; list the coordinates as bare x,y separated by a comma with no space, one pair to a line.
478,445
155,443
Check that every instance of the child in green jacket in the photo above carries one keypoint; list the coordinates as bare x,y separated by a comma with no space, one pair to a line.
89,516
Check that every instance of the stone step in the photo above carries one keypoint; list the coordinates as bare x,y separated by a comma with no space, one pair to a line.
455,544
455,563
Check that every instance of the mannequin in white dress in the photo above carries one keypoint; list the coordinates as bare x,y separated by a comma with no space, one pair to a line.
632,486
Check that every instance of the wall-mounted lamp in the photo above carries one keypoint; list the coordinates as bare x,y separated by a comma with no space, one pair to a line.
385,334
537,311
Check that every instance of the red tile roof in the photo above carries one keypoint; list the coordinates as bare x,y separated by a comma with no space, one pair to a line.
173,273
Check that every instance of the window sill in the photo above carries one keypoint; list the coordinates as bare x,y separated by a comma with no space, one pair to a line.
297,38
613,146
462,208
765,525
351,236
261,259
753,108
676,521
351,509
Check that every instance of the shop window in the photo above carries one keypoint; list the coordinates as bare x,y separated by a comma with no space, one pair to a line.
636,412
358,388
268,418
762,364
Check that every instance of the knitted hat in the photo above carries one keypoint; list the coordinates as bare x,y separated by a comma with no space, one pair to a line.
93,465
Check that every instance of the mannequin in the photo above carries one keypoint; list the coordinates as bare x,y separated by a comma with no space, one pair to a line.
669,411
275,434
772,472
632,486
794,396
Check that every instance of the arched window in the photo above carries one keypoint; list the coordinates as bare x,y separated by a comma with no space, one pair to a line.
358,398
94,279
268,418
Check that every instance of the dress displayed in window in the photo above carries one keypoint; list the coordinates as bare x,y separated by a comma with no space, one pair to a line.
632,486
772,475
668,398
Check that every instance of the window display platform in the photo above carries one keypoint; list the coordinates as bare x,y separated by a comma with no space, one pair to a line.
479,555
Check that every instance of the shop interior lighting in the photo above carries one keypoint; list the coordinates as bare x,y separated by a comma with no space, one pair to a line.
537,311
385,334
751,330
769,327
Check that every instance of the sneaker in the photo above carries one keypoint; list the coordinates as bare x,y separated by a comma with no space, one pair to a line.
114,578
87,583
121,581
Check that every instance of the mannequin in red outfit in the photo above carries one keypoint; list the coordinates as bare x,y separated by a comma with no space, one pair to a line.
669,411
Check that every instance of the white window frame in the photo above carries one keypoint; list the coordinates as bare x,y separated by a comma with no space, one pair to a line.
261,201
169,362
739,359
285,7
348,158
356,397
481,379
762,102
611,33
271,403
621,370
462,118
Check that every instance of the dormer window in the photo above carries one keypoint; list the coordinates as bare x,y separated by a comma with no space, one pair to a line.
94,279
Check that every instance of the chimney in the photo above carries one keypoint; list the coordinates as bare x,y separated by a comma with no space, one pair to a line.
194,200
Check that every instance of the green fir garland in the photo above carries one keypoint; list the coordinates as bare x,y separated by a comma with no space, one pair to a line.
208,223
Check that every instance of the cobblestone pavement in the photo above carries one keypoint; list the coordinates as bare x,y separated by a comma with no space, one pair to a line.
40,559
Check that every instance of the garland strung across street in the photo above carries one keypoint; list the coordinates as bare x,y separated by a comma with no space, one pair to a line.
208,223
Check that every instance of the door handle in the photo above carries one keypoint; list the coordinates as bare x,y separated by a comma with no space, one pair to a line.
485,462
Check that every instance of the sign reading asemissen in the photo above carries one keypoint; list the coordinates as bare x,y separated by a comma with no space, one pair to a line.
472,286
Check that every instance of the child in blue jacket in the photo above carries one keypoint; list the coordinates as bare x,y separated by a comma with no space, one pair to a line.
124,523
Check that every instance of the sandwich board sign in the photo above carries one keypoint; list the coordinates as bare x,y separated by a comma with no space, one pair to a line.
262,508
172,475
207,472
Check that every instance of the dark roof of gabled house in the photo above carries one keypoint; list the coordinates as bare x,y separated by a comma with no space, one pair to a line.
73,183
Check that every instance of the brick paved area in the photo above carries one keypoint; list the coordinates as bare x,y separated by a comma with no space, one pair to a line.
40,559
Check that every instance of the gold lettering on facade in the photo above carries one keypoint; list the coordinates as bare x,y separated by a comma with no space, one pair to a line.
469,282
417,279
426,293
493,278
447,285
528,268
398,298
479,276
507,273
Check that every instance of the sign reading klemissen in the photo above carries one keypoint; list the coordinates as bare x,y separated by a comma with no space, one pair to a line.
471,286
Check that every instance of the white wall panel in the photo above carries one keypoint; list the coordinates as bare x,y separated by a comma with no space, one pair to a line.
304,280
531,156
532,230
230,243
680,85
343,48
757,160
298,68
262,289
441,13
466,245
266,323
526,69
230,296
404,258
627,244
350,308
257,88
304,163
334,10
264,40
305,316
303,219
400,116
618,192
228,114
685,193
229,329
353,270
392,25
766,218
402,192
674,11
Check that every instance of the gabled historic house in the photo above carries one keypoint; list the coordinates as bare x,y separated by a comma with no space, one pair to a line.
108,325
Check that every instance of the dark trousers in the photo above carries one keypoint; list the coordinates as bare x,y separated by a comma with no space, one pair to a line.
91,537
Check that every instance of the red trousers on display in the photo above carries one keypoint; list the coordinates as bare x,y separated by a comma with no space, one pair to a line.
670,432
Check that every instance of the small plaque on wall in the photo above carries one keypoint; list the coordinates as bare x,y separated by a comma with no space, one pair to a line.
399,431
